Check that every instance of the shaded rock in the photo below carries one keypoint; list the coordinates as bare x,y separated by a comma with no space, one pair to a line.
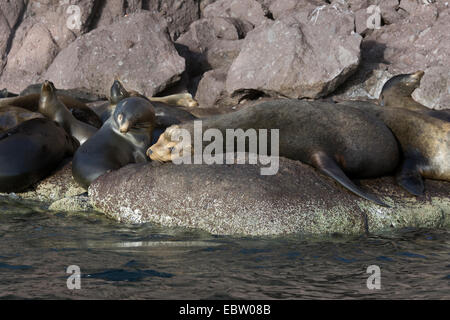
244,10
418,42
57,186
72,204
5,32
136,48
110,11
210,43
179,14
298,58
11,13
236,199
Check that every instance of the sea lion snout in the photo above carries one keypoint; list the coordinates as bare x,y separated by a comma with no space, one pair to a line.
418,75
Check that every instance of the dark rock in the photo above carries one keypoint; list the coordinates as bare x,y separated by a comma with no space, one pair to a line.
298,58
136,48
236,199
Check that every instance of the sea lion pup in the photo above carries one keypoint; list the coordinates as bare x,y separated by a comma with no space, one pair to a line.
338,141
52,108
13,116
31,102
424,140
123,139
397,93
30,151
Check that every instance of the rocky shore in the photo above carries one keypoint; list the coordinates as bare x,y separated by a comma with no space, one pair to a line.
229,54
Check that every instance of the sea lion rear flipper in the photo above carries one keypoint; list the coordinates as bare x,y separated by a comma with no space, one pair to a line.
328,166
409,177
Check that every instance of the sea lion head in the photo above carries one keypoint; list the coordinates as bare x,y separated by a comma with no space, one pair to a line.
48,89
118,92
402,85
134,114
170,146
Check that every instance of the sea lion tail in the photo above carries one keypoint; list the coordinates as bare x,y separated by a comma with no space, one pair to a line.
327,165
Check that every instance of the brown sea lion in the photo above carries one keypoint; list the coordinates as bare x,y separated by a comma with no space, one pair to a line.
338,141
13,116
123,139
397,93
424,140
51,107
78,108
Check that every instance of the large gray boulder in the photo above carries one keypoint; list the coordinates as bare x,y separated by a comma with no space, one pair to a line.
237,199
136,48
298,55
47,27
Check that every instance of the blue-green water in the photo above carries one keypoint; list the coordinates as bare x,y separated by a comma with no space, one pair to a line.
120,261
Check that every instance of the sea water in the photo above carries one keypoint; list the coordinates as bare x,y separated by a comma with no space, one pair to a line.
39,251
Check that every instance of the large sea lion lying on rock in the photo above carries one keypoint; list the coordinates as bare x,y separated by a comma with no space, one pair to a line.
397,93
123,139
30,151
337,140
51,107
424,140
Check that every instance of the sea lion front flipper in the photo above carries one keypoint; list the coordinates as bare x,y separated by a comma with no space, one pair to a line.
327,165
409,177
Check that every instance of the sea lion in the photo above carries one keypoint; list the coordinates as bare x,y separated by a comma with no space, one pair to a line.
397,93
30,151
180,99
51,107
76,107
13,116
338,141
424,141
165,115
123,139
